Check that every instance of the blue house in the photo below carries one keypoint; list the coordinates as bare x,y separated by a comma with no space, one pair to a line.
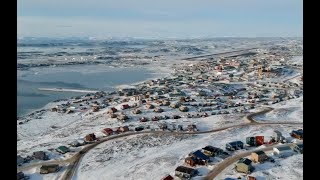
234,145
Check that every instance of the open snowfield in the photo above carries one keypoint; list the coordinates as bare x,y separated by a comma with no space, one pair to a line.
288,111
153,156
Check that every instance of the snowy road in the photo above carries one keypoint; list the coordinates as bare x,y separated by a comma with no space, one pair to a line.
74,160
227,162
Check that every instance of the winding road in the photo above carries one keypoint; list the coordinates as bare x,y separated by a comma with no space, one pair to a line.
73,162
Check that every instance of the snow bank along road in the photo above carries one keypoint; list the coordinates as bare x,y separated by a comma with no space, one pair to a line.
227,162
74,160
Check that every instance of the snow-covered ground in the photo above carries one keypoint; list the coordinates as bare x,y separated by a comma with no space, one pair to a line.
288,111
284,168
154,156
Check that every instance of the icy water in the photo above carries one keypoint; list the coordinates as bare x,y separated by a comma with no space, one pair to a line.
77,77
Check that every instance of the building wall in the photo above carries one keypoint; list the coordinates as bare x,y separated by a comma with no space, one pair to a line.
242,168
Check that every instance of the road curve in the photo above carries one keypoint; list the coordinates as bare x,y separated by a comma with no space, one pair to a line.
230,160
75,159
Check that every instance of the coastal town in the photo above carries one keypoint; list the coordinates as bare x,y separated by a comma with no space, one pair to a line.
202,95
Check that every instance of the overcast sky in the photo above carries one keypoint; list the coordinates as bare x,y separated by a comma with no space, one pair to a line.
160,18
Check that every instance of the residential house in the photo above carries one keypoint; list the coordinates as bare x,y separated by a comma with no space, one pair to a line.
168,177
184,108
284,151
259,156
136,111
244,165
175,105
158,110
199,155
123,129
185,172
165,103
139,128
212,151
122,117
163,126
20,176
298,134
90,137
113,115
234,145
76,143
277,135
193,161
40,155
107,131
298,148
112,110
149,106
20,160
45,169
63,149
125,106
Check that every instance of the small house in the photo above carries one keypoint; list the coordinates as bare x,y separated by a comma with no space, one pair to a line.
277,135
125,106
20,160
212,151
155,118
63,149
139,128
298,134
192,127
259,156
234,145
90,137
122,117
75,143
107,131
168,177
184,108
163,126
165,103
251,178
193,161
284,151
40,155
149,106
143,119
298,148
113,115
244,165
45,169
20,176
158,110
185,172
123,129
199,155
112,110
174,105
136,111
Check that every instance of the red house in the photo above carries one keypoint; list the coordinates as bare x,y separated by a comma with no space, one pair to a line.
112,110
125,106
259,140
168,177
107,131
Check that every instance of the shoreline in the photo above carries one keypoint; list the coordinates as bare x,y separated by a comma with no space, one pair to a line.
162,72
